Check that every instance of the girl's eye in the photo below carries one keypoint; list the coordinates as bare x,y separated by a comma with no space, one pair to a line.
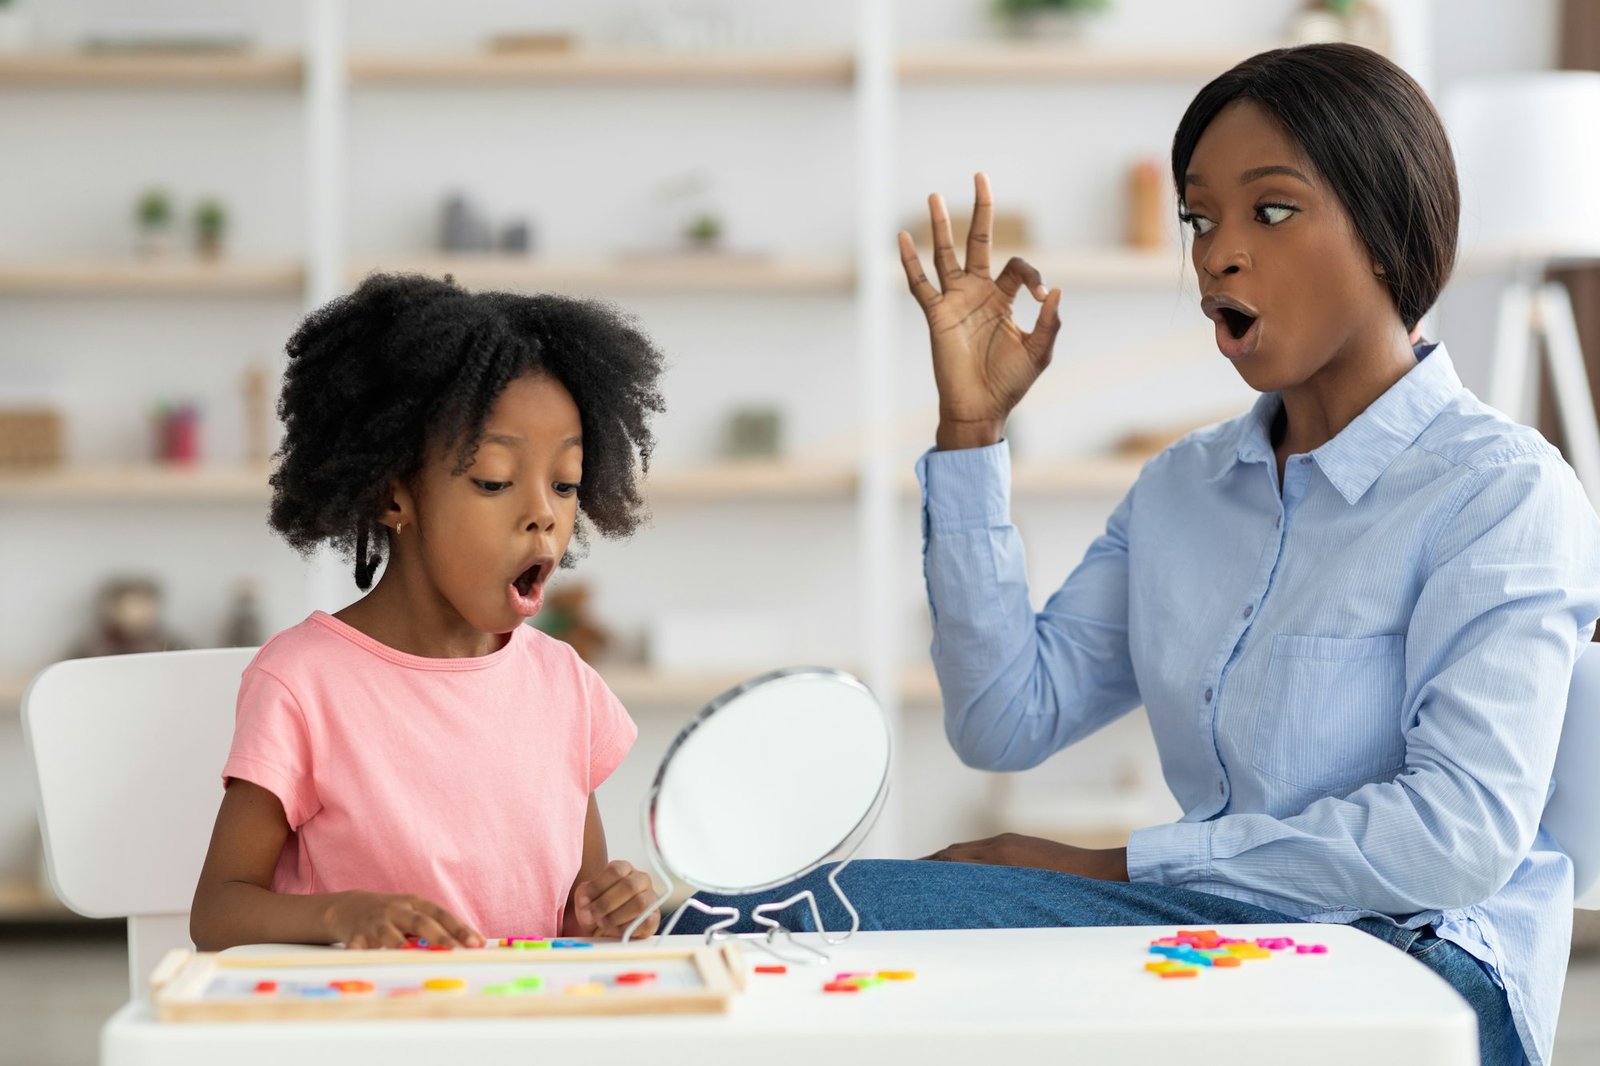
566,488
1200,224
1272,214
492,487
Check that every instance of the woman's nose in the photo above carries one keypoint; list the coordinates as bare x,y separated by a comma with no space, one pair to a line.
1224,258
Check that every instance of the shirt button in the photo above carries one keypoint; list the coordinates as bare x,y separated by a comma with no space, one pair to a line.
1248,611
1220,789
1208,695
1278,522
1305,460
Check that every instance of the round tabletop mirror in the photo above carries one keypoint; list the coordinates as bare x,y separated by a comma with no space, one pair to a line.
769,781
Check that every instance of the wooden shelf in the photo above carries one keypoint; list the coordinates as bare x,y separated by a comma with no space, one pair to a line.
830,69
666,273
731,482
176,276
642,685
150,483
711,272
1033,63
734,482
1067,477
919,687
1062,477
1073,270
619,68
137,483
11,689
175,70
25,901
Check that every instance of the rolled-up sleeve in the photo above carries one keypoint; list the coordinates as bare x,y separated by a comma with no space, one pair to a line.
1018,686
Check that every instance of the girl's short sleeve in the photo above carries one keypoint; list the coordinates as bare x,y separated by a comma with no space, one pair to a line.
611,731
272,746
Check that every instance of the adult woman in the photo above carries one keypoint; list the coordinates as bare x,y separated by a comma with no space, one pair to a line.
1351,613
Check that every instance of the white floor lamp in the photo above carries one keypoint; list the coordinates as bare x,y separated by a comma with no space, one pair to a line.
1528,151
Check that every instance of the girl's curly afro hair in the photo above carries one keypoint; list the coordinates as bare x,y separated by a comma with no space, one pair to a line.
385,376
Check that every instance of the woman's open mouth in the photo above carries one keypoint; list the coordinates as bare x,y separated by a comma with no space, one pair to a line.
1238,326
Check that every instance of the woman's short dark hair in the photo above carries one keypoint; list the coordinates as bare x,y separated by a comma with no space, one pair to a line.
385,376
1375,138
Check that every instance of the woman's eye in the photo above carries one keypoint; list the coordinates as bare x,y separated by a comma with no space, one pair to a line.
566,488
1200,224
1272,214
492,486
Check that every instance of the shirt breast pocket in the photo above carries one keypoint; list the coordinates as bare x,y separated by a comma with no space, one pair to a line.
1330,714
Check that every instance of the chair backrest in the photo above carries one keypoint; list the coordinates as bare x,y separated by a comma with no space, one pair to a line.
1573,813
127,752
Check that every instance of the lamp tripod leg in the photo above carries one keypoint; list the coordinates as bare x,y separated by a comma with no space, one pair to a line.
1508,380
1574,400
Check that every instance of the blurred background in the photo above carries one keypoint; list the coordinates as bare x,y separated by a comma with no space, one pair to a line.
180,181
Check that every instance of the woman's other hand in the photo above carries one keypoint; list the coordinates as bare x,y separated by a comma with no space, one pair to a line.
1013,849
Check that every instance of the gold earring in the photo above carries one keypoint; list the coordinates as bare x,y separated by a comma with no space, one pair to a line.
398,526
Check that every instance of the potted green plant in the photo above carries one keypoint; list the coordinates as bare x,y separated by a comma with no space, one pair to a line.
1356,21
704,231
1061,19
210,227
153,213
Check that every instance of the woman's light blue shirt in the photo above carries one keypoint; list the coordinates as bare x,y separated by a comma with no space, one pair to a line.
1356,687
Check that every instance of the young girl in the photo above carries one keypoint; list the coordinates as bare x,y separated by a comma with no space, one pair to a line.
421,763
1351,613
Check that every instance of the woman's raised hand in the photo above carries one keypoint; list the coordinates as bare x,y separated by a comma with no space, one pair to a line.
982,363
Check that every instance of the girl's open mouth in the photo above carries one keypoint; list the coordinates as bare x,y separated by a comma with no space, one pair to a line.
528,578
526,591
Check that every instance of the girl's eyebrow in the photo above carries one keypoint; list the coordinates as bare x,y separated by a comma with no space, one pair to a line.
1254,174
511,440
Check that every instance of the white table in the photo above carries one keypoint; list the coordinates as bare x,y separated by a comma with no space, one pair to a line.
980,997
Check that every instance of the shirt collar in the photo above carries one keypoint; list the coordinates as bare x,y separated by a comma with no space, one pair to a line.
1353,459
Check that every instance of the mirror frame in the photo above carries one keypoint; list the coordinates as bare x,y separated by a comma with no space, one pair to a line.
845,847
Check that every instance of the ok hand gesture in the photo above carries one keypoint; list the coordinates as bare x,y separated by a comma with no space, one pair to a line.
982,363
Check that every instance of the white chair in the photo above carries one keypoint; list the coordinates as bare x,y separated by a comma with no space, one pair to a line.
127,753
1573,813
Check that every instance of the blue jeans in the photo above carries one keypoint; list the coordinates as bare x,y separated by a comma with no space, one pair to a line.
892,894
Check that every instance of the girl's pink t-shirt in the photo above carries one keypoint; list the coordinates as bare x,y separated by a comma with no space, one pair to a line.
464,781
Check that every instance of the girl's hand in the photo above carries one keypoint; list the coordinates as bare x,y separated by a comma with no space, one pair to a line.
1013,849
378,920
605,904
982,363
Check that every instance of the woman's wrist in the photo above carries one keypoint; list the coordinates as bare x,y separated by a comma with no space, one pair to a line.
957,434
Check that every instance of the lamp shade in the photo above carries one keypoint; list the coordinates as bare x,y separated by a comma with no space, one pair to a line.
1528,152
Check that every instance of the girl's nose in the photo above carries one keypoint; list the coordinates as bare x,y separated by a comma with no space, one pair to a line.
541,512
